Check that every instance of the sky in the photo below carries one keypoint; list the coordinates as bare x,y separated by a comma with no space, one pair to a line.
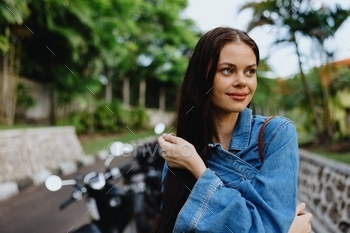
213,13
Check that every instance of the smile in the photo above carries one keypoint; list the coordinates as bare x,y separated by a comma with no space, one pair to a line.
239,97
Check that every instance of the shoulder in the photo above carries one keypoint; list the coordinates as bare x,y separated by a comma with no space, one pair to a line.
279,136
276,125
275,120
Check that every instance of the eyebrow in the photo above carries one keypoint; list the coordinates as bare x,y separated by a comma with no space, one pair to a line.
230,64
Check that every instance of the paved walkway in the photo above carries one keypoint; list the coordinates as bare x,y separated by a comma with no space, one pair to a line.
36,210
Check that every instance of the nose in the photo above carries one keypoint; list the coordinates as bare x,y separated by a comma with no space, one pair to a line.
239,80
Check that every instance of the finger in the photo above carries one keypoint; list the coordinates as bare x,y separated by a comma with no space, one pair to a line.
161,140
163,143
308,216
300,208
170,138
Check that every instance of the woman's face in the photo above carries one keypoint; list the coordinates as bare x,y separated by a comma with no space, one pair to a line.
235,78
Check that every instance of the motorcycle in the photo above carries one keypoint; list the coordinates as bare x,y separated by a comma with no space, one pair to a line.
150,162
113,208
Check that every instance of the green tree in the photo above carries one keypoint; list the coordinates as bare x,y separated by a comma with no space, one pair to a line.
164,44
296,19
322,26
12,15
70,45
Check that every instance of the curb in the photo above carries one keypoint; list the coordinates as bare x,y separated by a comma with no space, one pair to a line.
12,188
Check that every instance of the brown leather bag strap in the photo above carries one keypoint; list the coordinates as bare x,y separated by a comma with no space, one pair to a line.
261,135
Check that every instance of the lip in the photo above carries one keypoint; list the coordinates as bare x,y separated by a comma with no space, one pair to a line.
237,96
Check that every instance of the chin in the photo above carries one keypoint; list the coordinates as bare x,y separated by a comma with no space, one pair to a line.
233,110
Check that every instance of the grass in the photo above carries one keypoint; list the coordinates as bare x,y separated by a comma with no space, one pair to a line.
325,151
95,143
340,157
20,126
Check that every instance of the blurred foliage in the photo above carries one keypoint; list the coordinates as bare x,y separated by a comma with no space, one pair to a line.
69,45
107,118
341,81
24,98
12,12
293,20
291,96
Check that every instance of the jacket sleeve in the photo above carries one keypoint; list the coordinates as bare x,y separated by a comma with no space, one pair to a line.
265,204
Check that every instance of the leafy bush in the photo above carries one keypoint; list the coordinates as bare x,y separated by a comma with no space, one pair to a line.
24,98
80,120
135,118
107,118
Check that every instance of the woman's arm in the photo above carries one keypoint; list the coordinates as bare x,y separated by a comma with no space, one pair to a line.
178,153
265,204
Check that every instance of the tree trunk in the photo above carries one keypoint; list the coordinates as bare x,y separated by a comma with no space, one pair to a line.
327,114
5,81
16,72
91,110
109,88
12,83
53,106
126,92
162,98
307,90
142,97
325,90
10,73
1,88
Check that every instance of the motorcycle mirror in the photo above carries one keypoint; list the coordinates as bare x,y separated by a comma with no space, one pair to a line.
127,148
159,128
116,148
53,183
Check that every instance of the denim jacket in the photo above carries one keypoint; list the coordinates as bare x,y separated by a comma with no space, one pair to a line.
239,193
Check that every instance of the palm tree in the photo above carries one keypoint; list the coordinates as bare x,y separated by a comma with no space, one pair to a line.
300,20
323,24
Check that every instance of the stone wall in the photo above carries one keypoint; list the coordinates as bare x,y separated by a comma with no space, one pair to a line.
26,152
324,185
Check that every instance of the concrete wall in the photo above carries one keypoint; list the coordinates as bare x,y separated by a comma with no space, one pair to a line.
41,111
156,116
40,92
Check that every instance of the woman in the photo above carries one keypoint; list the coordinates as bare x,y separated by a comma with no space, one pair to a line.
215,180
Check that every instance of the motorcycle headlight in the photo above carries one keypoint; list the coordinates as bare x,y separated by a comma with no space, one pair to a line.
115,202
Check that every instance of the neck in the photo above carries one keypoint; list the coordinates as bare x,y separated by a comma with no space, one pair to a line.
224,126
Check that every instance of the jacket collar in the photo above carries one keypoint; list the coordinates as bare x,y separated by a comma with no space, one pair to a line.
242,131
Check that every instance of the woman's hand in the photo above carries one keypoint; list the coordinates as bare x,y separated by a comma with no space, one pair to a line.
301,223
179,153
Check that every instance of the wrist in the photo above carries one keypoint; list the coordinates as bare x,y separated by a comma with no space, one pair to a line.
198,168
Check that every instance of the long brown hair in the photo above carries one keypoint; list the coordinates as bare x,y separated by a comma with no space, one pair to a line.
194,119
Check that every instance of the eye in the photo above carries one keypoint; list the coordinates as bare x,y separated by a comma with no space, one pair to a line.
227,71
251,72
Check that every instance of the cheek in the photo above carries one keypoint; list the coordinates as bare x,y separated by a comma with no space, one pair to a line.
221,83
220,87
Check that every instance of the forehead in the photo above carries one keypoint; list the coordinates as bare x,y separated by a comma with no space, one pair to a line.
237,52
